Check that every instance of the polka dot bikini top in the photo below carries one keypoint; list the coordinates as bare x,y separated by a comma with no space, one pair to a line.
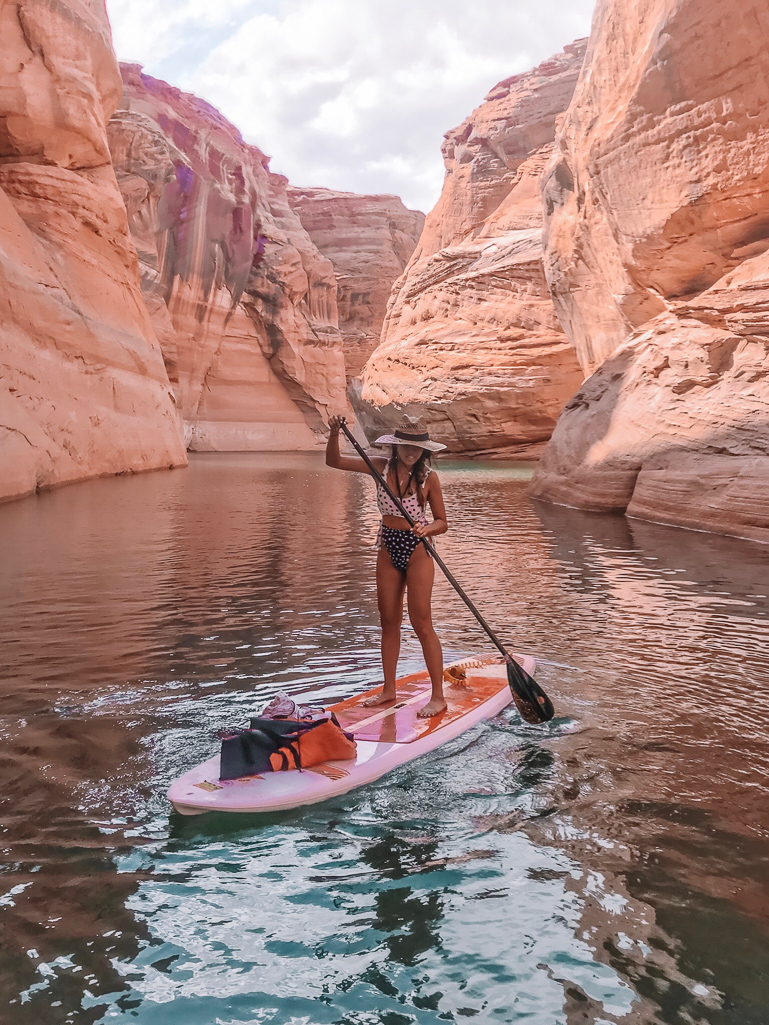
410,503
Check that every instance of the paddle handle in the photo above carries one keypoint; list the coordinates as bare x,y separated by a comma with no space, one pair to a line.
430,548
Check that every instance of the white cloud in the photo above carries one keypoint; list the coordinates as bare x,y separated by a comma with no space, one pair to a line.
153,33
350,94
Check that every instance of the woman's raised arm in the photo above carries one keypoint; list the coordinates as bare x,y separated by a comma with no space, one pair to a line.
335,458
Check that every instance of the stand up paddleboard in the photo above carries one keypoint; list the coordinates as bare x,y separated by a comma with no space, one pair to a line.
386,737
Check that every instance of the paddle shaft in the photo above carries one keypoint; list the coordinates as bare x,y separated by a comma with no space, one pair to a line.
425,541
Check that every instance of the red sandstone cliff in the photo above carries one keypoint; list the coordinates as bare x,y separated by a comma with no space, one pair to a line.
471,339
244,304
83,390
369,240
657,254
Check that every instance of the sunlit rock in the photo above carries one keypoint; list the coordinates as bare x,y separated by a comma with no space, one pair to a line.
657,231
83,389
471,339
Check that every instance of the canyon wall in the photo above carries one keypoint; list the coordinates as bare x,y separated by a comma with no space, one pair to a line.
657,255
369,240
243,302
84,390
471,339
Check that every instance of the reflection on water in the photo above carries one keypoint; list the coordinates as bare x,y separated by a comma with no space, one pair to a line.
611,867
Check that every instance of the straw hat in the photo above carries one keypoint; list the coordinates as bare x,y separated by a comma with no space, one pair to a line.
411,431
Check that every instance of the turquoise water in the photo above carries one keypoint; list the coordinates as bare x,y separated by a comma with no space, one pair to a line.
610,867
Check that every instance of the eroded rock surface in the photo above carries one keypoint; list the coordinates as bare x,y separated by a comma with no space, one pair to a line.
369,240
674,427
83,389
657,214
244,304
471,339
660,183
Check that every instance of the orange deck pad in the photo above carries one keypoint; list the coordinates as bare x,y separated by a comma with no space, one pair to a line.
400,723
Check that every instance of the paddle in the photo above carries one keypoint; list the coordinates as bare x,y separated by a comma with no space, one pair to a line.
532,702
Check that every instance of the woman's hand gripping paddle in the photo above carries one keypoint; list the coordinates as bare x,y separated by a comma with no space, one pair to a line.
531,701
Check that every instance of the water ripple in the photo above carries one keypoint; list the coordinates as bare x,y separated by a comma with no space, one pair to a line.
611,867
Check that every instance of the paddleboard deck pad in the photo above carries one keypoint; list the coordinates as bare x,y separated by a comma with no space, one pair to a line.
386,736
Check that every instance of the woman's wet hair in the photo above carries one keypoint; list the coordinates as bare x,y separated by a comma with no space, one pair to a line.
417,473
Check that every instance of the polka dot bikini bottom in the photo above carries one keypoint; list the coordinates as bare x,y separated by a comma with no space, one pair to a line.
400,544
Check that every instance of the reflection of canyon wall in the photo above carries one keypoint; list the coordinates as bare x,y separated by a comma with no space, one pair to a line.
657,227
84,388
471,338
663,585
369,240
244,304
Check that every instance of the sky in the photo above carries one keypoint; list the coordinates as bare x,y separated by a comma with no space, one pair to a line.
353,95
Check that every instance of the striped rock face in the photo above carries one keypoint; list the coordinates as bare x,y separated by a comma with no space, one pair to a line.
244,303
369,240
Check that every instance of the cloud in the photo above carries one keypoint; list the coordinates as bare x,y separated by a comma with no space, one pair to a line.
156,34
351,94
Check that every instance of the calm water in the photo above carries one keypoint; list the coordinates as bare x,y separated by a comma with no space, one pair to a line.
612,867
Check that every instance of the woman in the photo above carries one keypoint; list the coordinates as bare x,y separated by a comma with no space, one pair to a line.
403,563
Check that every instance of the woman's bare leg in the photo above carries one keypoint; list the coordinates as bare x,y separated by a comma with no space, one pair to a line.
390,585
420,575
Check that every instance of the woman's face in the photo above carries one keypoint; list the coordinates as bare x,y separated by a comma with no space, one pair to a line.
409,454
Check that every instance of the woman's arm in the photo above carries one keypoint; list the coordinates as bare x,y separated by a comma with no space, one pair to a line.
435,500
335,458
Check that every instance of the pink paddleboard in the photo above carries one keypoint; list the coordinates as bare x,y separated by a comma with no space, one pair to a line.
386,737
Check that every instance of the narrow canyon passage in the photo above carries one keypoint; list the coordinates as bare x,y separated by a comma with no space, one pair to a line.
610,867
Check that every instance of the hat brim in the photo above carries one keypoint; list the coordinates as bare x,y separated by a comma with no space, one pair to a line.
390,439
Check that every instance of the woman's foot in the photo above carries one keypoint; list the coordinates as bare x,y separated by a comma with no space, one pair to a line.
433,707
384,697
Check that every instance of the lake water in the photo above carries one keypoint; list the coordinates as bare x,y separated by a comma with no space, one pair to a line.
611,867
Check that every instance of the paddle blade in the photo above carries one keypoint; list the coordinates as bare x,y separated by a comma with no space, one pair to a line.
530,700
